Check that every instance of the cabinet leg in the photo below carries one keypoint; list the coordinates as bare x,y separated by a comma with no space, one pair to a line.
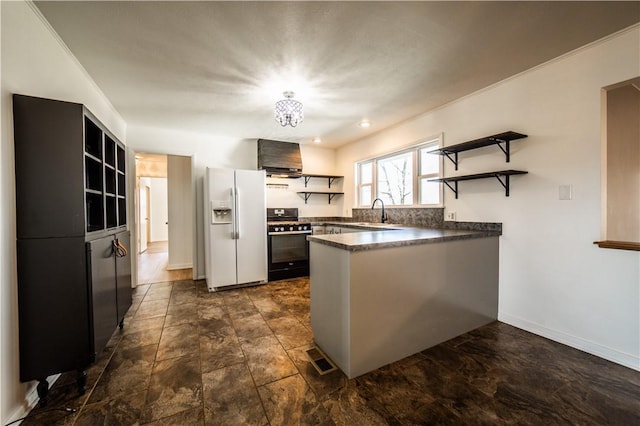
81,381
43,392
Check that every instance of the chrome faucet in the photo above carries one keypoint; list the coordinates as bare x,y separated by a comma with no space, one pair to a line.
384,217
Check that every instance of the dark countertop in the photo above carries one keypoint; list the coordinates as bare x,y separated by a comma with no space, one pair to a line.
391,235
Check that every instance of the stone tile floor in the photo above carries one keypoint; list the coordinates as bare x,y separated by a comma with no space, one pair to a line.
189,357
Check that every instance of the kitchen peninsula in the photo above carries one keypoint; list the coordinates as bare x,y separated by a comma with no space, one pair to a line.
381,295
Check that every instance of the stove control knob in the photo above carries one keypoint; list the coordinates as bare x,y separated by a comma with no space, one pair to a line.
291,228
299,228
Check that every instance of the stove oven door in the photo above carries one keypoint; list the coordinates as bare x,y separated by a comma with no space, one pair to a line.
288,255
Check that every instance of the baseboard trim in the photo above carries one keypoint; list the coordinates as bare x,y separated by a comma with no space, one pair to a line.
587,346
179,266
30,399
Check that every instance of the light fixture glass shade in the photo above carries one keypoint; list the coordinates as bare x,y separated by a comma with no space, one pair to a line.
289,111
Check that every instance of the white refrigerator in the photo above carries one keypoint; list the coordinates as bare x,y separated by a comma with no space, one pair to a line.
235,227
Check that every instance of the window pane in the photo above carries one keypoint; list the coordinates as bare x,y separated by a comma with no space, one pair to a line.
365,195
429,163
395,179
429,192
366,173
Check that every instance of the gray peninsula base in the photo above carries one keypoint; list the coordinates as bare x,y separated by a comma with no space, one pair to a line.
370,308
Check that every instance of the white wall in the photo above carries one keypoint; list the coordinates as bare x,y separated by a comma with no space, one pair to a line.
159,211
34,63
181,210
553,280
315,160
216,151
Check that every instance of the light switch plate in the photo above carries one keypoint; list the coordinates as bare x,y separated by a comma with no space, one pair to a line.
451,215
565,192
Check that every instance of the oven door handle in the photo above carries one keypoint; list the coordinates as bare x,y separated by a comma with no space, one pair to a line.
290,233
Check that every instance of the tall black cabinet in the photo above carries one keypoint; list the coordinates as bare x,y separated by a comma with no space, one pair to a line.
74,269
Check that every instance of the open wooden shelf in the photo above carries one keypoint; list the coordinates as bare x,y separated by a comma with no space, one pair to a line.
505,138
620,245
502,176
330,178
330,195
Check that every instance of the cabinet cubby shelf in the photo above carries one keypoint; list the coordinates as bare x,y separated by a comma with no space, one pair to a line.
92,157
330,195
502,140
330,178
502,176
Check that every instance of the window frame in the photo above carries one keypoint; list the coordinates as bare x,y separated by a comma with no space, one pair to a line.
415,149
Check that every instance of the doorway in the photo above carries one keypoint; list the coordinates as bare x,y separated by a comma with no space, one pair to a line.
160,185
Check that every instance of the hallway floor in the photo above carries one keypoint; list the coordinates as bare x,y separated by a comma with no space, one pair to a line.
189,357
153,262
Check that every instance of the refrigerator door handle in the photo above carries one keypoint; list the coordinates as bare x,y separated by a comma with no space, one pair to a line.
237,215
235,212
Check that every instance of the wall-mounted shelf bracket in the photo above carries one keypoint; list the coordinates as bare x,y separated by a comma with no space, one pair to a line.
506,148
453,159
454,188
504,183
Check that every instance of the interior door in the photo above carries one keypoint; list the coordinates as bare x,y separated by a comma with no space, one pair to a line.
145,196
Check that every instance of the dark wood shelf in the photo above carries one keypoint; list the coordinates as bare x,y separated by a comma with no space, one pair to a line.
330,178
505,138
330,195
620,245
502,176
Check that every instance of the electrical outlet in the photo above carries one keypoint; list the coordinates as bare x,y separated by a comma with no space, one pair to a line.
451,215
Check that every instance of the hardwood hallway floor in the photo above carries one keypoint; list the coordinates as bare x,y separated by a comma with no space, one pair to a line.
153,262
190,357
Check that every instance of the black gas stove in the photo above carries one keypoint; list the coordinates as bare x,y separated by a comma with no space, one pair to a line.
286,220
288,248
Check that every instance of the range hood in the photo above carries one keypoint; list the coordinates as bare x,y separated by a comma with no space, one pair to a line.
279,159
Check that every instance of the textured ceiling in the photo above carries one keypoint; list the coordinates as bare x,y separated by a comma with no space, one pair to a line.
219,67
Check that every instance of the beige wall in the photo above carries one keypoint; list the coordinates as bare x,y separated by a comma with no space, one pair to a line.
623,164
553,280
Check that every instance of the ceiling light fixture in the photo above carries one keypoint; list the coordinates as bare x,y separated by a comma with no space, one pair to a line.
317,139
364,123
289,111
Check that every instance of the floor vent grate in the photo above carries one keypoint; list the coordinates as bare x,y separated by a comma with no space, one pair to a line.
320,361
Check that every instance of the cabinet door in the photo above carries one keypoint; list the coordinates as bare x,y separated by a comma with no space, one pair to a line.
52,305
123,275
49,168
102,270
